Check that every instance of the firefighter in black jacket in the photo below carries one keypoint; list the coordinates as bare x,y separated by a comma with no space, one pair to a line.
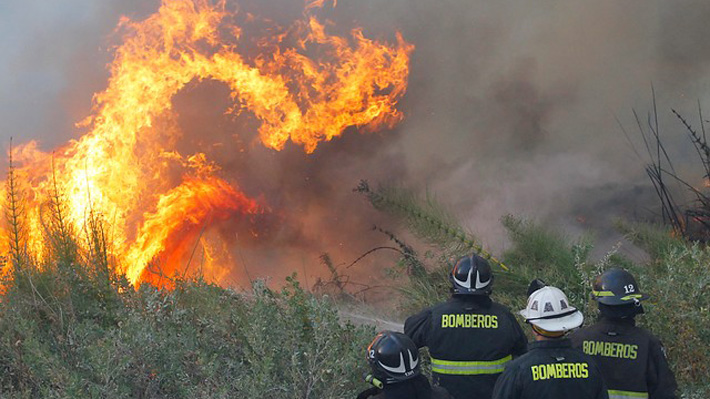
632,360
394,361
470,338
551,369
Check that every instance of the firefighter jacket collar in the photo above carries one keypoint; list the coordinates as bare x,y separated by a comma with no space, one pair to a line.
628,311
630,321
418,388
415,388
472,301
550,343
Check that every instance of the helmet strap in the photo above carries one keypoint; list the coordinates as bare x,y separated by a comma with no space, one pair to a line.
374,381
547,334
627,311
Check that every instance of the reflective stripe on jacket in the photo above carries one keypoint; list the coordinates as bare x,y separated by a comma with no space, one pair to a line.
616,394
469,368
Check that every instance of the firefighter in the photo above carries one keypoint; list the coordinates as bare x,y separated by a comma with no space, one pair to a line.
551,369
470,337
632,360
394,361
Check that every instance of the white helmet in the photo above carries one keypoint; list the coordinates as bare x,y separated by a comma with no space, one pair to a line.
549,309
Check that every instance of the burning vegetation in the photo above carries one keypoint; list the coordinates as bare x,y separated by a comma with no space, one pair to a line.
297,83
688,219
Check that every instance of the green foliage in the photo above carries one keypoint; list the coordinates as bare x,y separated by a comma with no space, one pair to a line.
430,221
678,280
65,335
537,252
296,347
424,290
657,240
427,219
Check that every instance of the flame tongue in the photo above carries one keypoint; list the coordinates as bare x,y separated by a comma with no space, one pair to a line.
186,208
125,165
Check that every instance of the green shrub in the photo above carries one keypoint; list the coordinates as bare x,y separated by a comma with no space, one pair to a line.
66,338
678,280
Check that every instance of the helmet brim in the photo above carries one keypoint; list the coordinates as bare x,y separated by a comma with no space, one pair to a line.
617,300
564,323
464,291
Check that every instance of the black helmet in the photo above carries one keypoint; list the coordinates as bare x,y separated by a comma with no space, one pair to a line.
617,287
472,276
393,357
536,285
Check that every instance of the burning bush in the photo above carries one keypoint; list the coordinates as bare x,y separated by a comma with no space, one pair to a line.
301,84
71,326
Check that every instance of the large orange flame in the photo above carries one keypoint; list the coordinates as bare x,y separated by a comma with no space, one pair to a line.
126,167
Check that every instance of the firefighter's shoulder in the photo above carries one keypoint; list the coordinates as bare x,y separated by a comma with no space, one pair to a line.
646,334
654,343
643,335
426,312
497,308
415,320
419,320
372,392
438,392
515,365
579,335
503,312
417,327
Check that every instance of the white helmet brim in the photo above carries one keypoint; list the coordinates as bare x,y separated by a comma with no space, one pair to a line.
558,324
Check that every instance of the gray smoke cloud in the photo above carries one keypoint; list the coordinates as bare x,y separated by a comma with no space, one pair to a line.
53,57
511,108
516,104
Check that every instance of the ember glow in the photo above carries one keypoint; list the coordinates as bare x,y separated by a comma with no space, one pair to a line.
156,201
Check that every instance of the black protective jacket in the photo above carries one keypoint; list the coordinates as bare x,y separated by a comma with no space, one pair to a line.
551,370
632,360
417,388
470,339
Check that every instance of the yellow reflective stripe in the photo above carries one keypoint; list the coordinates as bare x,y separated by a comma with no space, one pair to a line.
615,394
453,367
632,296
602,293
472,363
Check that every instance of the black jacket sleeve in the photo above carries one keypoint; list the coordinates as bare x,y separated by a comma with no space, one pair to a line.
603,392
417,327
507,386
661,381
370,392
440,393
521,341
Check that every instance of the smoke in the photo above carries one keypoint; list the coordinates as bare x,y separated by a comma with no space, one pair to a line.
512,108
517,105
54,57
